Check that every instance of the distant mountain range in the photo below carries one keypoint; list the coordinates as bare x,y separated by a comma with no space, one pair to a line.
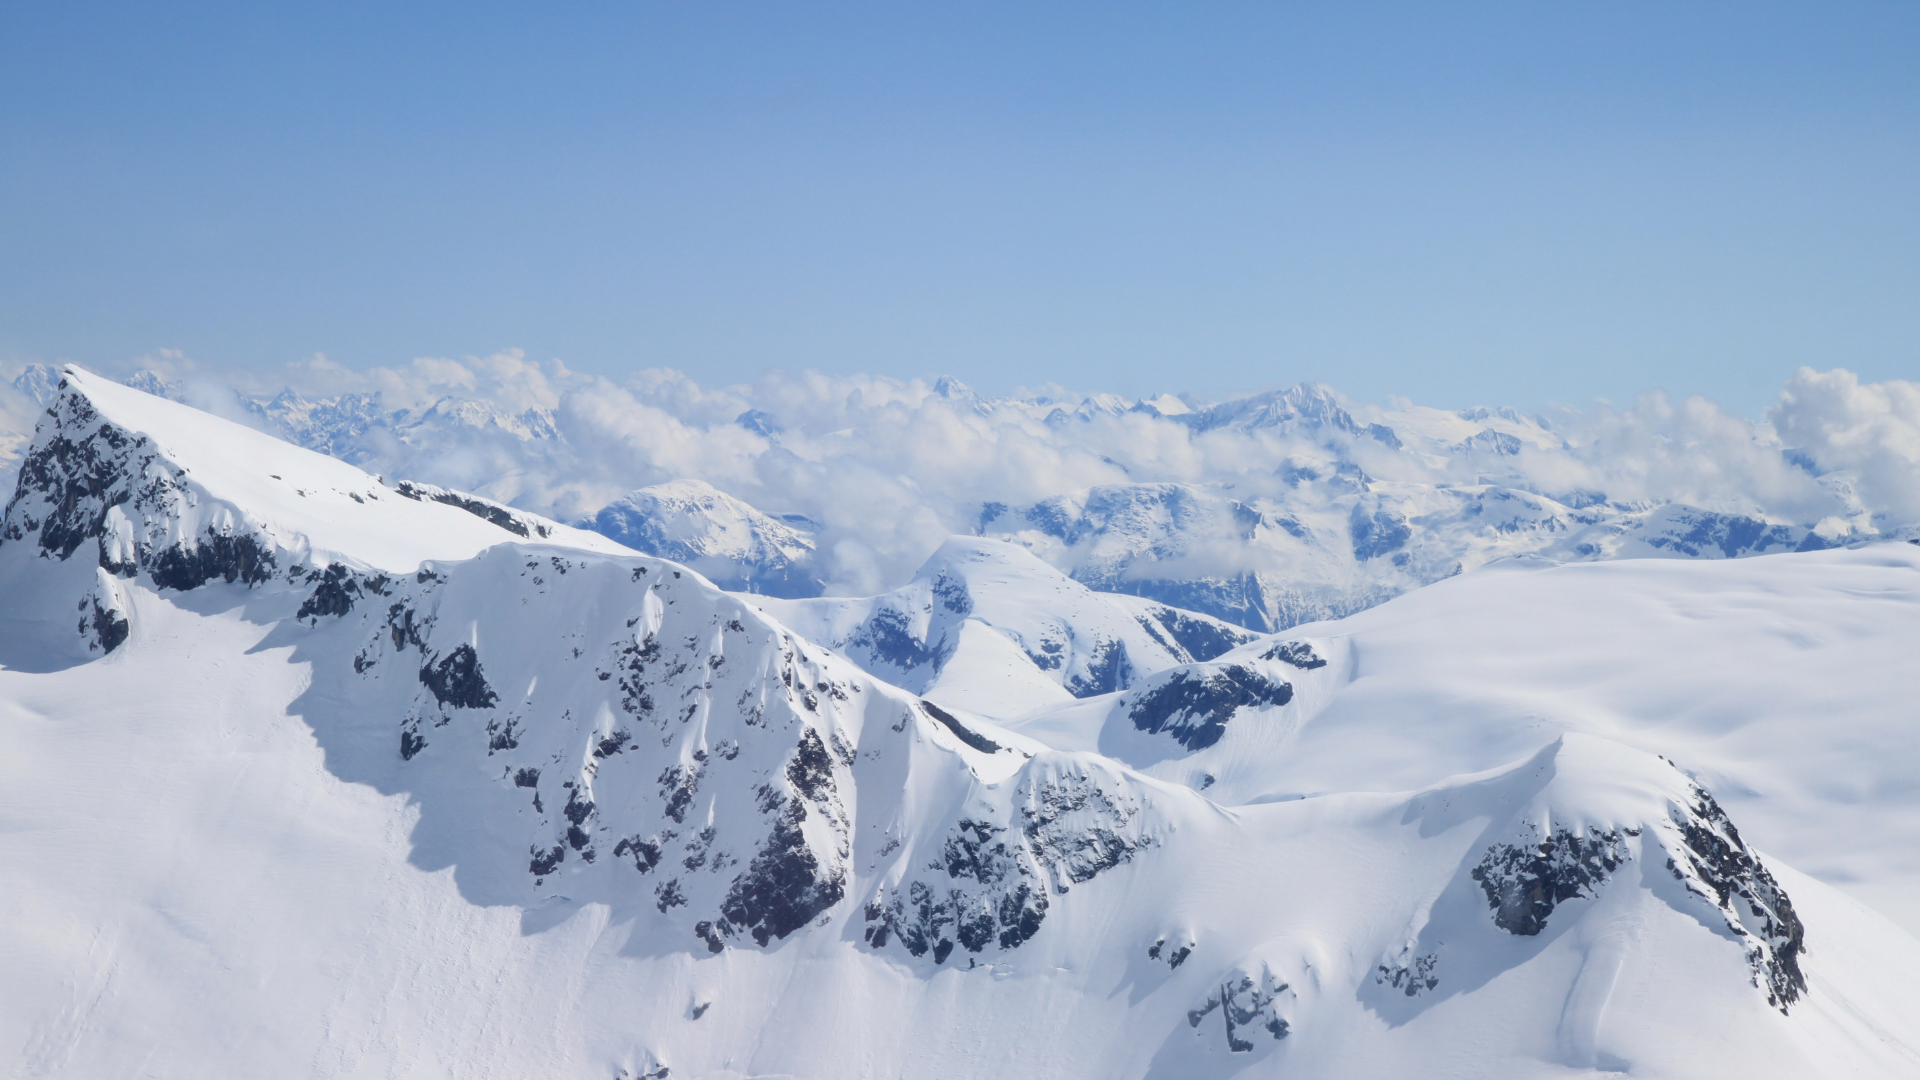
1299,510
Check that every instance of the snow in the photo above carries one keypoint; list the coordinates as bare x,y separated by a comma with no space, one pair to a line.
691,522
330,510
338,823
986,626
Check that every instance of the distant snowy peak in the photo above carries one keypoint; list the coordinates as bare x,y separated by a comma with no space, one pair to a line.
328,426
733,544
38,382
986,626
1309,408
332,425
122,485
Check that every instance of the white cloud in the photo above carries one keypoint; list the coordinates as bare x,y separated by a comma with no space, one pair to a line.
1871,431
891,467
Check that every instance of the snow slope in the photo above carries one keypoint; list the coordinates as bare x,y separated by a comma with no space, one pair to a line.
1783,682
543,810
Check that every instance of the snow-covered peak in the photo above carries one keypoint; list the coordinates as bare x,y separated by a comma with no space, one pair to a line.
526,425
138,486
691,522
1309,408
38,382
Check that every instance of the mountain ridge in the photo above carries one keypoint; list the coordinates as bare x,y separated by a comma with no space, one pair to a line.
402,803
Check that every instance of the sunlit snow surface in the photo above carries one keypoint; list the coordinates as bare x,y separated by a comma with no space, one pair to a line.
284,823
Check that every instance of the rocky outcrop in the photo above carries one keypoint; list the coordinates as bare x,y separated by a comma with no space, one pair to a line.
517,522
995,876
1525,881
1194,704
1247,1004
1717,865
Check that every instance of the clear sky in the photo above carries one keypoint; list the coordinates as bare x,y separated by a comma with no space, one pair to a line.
1460,203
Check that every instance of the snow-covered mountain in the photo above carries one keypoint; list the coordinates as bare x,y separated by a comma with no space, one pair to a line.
369,784
987,627
1342,542
736,546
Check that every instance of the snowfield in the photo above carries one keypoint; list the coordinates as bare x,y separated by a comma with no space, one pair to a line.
308,772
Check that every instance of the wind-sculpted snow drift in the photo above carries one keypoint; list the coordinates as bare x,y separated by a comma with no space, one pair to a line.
409,793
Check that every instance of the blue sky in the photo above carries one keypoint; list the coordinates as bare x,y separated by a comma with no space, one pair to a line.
1462,204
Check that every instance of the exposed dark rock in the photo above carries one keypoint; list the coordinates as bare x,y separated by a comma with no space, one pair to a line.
1298,653
520,524
334,595
1717,864
456,679
810,771
1200,639
888,638
1378,533
1412,978
1525,882
403,628
646,853
677,786
503,735
1245,1004
72,484
786,885
577,811
999,881
110,628
1695,531
546,862
1108,669
1173,957
952,594
1194,705
215,555
1052,654
961,731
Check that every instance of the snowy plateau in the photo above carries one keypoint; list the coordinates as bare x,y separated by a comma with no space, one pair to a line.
312,770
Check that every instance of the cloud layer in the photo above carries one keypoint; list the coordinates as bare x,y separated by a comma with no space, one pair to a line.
889,468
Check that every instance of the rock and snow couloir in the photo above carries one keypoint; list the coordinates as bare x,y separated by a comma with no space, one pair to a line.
399,790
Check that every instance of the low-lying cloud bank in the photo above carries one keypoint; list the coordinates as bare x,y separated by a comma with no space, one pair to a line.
882,470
